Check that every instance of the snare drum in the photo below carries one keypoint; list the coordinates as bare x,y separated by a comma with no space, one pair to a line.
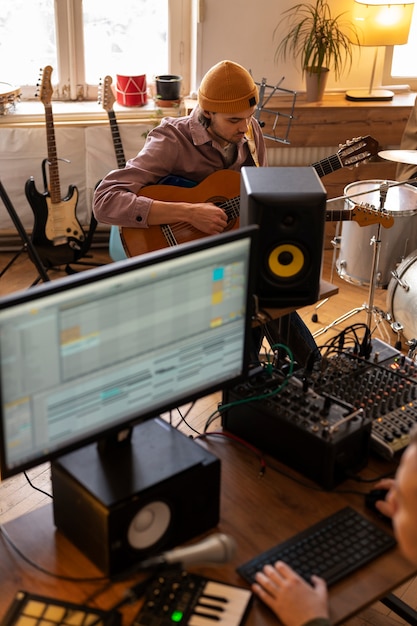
356,251
9,95
402,296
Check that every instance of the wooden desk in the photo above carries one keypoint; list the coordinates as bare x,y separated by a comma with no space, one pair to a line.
257,512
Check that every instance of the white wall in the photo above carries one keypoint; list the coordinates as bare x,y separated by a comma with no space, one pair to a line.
243,31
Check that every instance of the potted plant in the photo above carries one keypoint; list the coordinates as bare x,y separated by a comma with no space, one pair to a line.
320,41
168,89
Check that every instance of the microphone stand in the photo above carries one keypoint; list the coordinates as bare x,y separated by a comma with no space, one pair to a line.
376,242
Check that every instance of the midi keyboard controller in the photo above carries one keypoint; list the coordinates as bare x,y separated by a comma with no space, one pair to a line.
324,422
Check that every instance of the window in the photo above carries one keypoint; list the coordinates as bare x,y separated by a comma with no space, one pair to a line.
85,40
400,66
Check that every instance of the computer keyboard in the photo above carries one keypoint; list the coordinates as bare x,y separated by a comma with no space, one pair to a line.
333,548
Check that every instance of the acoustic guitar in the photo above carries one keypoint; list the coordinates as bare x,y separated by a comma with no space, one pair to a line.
223,189
57,234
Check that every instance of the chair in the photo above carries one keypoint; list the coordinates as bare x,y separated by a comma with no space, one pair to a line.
116,249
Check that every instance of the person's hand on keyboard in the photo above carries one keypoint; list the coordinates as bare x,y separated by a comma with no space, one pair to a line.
290,597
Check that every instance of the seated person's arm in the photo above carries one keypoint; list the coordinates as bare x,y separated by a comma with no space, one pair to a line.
290,597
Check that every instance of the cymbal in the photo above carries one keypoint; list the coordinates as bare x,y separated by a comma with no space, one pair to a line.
400,156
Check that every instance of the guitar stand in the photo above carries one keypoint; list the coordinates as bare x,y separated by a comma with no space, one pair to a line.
85,248
31,249
27,243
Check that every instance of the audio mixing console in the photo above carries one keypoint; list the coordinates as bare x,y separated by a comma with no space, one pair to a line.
384,386
325,421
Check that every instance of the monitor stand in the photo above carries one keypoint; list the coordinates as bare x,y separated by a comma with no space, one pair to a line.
155,491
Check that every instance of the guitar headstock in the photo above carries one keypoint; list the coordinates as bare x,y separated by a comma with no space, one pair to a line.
356,150
367,215
45,87
105,94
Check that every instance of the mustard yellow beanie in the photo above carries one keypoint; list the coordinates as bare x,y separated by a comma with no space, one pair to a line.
227,88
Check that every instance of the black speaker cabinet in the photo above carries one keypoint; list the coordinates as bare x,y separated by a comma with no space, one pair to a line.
152,495
289,205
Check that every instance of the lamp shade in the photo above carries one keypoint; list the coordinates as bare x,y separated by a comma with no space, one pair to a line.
381,24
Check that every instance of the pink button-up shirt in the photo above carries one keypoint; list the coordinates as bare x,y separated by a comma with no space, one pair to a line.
179,146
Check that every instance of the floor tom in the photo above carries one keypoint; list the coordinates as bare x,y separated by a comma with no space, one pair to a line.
354,263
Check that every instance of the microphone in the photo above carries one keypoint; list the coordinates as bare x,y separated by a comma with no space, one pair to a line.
218,548
383,191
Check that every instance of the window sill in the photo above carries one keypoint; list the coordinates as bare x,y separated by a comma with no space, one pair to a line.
31,113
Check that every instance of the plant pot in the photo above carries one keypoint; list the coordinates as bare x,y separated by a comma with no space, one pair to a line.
168,87
316,83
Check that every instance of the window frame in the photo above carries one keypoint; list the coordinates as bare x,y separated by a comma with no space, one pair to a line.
70,44
389,79
411,48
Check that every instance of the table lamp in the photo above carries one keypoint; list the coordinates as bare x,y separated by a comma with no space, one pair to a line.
380,24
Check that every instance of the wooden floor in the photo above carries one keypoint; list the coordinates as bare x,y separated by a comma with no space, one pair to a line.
18,497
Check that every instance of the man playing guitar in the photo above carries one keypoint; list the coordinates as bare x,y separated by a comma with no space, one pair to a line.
219,134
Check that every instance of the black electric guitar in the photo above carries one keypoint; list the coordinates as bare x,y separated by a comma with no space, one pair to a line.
106,99
57,234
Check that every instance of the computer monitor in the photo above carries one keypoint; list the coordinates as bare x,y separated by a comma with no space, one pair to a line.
91,355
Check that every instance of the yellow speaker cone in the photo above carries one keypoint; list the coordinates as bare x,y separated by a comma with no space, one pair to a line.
286,260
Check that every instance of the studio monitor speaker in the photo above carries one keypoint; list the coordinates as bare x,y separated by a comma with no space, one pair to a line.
289,205
160,491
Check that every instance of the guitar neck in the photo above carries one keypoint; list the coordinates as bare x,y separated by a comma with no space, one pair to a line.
117,142
338,215
328,165
54,182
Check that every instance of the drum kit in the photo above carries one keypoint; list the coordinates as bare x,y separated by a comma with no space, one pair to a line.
384,258
9,95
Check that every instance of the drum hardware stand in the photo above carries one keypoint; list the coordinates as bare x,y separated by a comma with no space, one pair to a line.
412,350
368,307
398,328
27,243
336,245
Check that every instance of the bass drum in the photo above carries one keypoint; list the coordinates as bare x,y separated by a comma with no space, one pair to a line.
355,258
402,296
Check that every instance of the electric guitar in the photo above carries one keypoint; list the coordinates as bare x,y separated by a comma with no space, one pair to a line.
106,99
223,188
57,234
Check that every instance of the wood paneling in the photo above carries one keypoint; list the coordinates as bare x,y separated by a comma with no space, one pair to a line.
322,123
